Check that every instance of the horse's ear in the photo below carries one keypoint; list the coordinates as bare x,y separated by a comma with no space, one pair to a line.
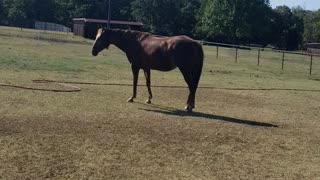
99,26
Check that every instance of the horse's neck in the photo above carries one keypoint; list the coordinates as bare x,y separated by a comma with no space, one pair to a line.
119,43
123,40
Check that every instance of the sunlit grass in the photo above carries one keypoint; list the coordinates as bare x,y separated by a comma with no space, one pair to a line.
96,134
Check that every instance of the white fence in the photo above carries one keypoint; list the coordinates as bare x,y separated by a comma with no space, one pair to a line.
46,26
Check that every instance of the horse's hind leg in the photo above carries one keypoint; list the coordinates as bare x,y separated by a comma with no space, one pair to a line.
191,68
192,84
147,74
191,100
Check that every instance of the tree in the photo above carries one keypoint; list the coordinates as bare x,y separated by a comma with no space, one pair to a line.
235,21
121,10
298,17
155,14
166,17
258,22
212,24
15,12
42,11
186,19
288,29
61,14
1,11
312,26
66,10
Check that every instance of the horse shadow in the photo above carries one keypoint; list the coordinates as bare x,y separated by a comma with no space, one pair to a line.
176,112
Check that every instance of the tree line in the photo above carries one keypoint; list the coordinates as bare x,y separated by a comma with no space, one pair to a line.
228,21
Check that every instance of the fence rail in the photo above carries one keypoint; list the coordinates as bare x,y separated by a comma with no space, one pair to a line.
259,51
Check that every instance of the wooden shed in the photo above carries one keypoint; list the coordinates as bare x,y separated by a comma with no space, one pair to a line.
88,27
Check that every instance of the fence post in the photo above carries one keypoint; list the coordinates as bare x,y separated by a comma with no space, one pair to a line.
217,51
259,57
282,59
311,59
236,59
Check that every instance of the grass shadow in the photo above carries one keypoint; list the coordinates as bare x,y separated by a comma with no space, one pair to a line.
181,113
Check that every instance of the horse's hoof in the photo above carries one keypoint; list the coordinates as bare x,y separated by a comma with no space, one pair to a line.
130,100
189,108
148,101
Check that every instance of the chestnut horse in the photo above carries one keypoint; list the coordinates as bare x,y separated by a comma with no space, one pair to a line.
146,51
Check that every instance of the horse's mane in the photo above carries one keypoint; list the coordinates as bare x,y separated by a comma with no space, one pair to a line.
130,34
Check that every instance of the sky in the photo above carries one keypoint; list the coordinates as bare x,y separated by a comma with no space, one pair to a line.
305,4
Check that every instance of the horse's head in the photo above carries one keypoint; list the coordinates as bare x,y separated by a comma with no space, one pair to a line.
102,41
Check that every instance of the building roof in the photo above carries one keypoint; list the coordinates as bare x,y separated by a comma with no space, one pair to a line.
87,20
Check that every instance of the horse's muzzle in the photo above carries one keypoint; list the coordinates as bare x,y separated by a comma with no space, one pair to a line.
94,53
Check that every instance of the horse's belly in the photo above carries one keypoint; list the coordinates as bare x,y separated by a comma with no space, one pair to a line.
163,65
164,68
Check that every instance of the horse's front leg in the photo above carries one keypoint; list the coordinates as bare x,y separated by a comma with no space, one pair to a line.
135,72
147,74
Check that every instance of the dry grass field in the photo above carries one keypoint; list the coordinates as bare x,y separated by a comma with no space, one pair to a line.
96,134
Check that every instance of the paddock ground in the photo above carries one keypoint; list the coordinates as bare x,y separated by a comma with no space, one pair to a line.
96,134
